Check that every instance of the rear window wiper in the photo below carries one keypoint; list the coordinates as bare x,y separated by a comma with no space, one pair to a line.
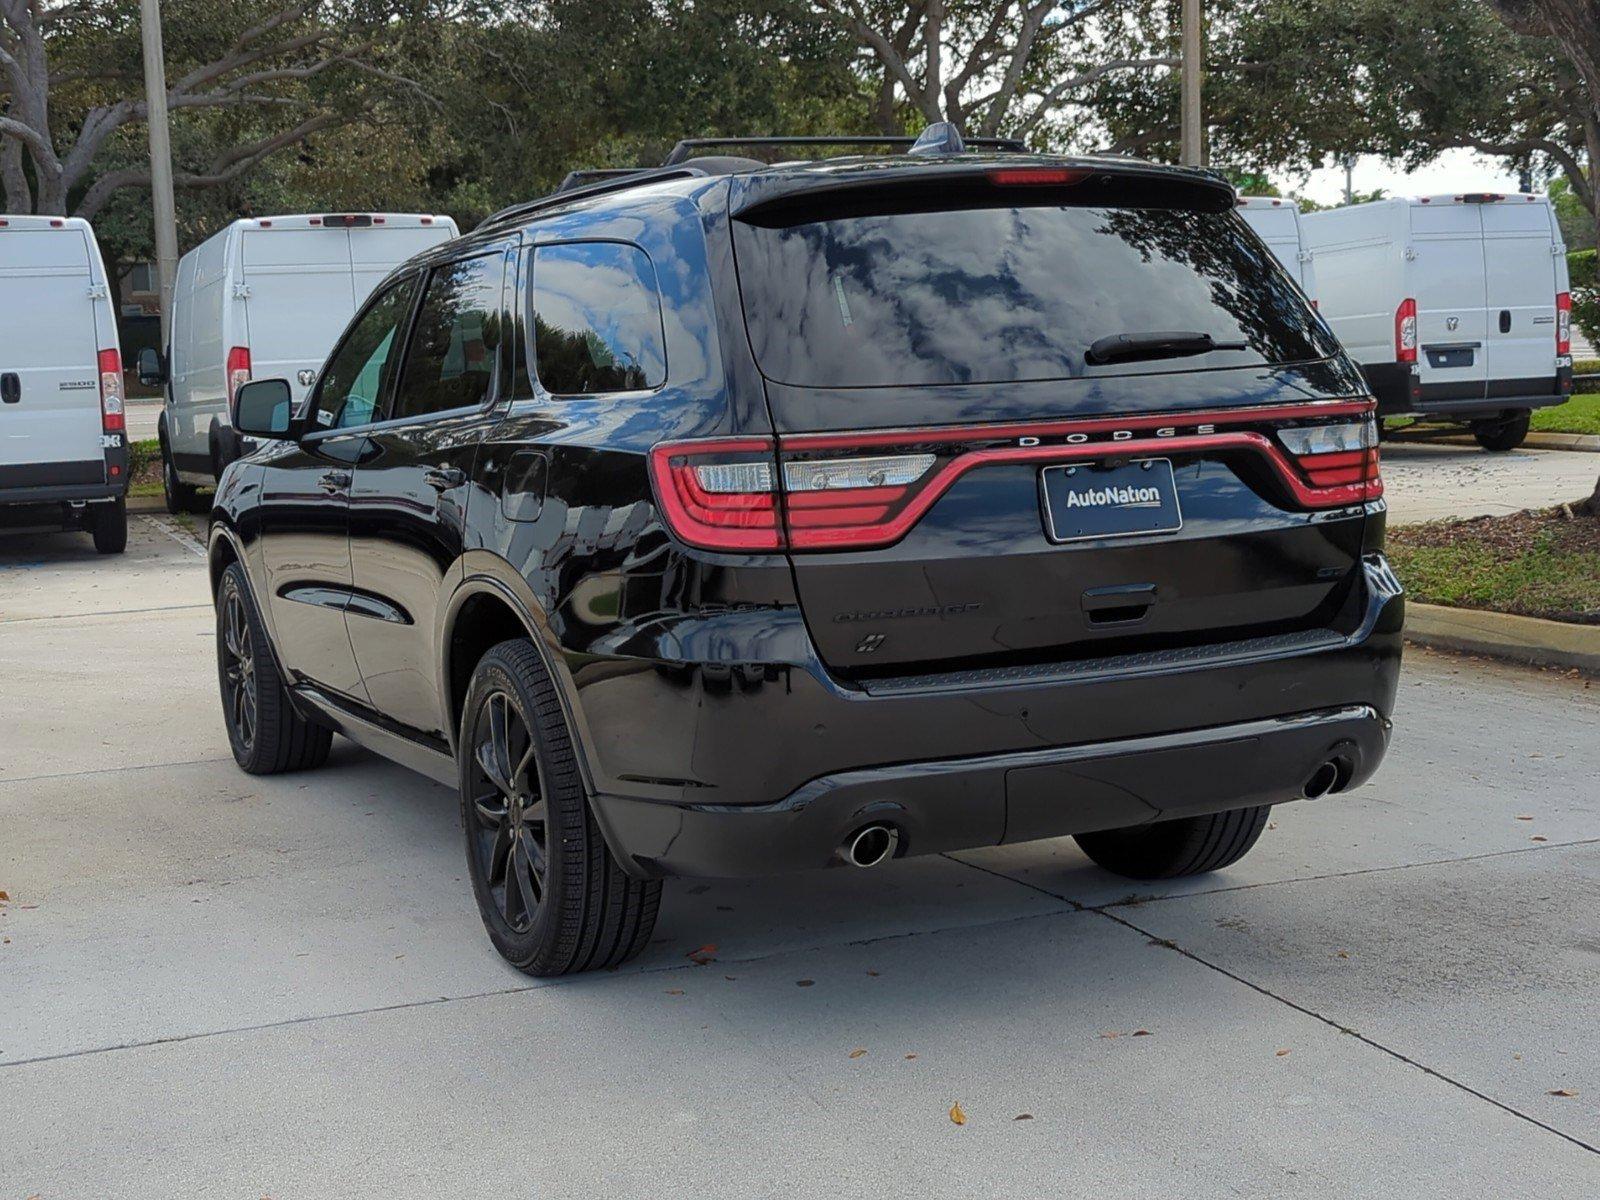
1125,347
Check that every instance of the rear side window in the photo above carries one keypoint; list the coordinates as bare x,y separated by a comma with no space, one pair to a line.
1002,294
451,360
596,319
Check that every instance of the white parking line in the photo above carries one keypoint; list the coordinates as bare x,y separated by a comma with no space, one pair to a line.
178,534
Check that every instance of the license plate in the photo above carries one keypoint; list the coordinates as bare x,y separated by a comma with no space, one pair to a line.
1092,501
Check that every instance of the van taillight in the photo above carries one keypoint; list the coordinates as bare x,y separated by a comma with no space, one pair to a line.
238,369
1563,322
1337,456
111,418
1405,332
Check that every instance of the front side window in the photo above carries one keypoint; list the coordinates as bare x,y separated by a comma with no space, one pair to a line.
451,362
596,319
356,376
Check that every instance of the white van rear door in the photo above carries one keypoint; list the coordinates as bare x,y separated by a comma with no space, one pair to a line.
377,250
1517,242
1448,275
49,343
299,299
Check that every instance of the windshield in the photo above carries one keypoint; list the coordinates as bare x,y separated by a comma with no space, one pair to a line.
993,295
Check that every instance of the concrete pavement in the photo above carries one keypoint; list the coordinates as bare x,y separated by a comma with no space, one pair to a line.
219,985
1430,481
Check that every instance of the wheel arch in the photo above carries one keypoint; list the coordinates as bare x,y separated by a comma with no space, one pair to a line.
492,604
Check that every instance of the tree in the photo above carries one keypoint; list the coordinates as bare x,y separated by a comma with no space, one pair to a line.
1575,26
74,88
988,66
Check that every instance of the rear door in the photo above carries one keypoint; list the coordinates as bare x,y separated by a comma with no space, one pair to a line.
956,488
375,250
1518,248
50,422
1452,299
299,300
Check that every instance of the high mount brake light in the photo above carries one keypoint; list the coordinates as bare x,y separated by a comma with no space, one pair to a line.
1563,322
1035,176
238,369
1405,332
111,415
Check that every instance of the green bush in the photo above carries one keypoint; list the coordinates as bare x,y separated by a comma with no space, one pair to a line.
1585,293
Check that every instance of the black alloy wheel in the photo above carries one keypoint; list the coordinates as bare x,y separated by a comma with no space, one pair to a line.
265,732
240,702
511,835
553,898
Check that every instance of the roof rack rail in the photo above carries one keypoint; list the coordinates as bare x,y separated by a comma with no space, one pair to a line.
686,148
584,176
612,181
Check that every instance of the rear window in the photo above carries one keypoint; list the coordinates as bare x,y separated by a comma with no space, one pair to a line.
1004,294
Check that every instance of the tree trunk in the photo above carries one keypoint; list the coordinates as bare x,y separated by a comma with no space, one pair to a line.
1591,506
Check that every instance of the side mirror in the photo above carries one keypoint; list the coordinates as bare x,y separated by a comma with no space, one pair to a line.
152,370
263,408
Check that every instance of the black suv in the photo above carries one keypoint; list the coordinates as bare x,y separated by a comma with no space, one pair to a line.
729,518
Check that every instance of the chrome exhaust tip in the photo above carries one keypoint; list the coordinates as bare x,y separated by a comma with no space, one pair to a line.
870,845
1323,780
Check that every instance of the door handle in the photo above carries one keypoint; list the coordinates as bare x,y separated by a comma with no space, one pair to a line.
442,479
334,482
1505,320
10,387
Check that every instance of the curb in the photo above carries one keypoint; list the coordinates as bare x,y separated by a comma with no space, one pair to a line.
146,504
1530,640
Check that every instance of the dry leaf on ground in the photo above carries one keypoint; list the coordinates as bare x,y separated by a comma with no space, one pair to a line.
956,1115
858,1052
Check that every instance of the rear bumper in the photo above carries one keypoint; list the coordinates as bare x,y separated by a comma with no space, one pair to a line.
755,768
958,804
1401,393
63,493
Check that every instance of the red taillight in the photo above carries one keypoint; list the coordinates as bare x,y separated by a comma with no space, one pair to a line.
111,418
1034,176
238,369
1563,322
1340,460
719,494
1405,332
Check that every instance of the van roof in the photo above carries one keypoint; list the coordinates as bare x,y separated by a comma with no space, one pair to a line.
1267,202
32,222
343,220
1479,198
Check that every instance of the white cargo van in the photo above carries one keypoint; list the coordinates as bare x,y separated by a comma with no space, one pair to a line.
63,441
1456,307
266,297
1277,221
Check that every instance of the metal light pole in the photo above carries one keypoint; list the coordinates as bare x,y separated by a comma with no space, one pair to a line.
1193,152
165,211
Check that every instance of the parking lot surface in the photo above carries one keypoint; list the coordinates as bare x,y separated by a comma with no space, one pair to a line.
219,985
1430,481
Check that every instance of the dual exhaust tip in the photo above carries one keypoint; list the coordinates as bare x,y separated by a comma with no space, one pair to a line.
877,843
870,845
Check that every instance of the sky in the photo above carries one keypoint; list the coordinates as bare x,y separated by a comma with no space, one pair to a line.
1452,171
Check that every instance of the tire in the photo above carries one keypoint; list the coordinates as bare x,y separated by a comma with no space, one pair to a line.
1502,434
108,525
180,497
267,736
1186,846
552,897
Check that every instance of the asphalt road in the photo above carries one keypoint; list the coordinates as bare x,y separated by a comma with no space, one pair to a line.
219,985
